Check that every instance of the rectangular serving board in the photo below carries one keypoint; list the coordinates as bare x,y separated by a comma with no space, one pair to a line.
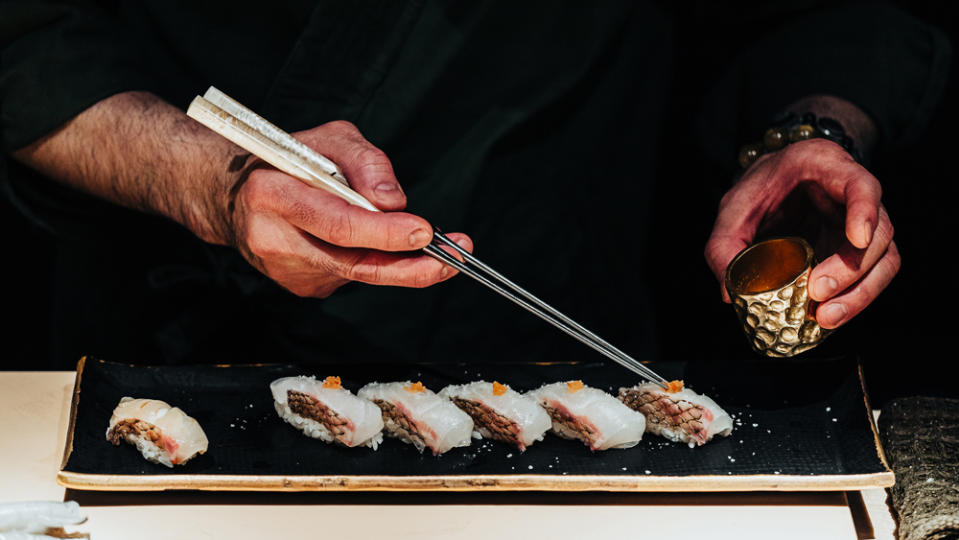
789,434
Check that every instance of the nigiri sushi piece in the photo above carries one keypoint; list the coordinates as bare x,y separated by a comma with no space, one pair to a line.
416,415
589,415
163,434
678,413
325,410
38,516
500,413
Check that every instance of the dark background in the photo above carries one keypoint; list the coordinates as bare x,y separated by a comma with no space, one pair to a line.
904,338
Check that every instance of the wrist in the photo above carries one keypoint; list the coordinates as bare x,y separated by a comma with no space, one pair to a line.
215,168
826,117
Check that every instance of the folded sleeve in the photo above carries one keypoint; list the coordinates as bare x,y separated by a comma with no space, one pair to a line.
58,58
872,54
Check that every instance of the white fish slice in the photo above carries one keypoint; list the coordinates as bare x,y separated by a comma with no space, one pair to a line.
500,413
416,415
590,415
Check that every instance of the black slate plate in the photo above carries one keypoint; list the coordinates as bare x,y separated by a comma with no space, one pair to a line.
790,433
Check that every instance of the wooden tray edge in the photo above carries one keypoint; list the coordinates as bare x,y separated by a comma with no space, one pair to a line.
72,422
526,482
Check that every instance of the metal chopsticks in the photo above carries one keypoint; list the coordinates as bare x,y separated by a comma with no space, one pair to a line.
258,136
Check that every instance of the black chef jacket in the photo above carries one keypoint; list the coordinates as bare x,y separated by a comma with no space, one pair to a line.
582,145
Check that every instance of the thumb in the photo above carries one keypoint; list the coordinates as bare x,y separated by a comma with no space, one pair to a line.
366,167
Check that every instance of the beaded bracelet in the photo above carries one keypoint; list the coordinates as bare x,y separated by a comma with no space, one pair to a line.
789,128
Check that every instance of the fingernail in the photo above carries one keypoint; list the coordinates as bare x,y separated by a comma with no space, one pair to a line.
833,314
867,232
445,272
825,287
388,189
419,238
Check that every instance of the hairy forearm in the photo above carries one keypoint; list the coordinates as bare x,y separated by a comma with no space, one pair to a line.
138,151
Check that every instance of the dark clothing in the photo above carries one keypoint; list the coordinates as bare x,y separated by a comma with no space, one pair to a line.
544,130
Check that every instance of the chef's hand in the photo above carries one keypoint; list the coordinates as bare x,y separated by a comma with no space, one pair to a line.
852,233
138,151
312,242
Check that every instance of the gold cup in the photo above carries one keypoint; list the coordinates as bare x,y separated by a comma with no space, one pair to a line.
767,284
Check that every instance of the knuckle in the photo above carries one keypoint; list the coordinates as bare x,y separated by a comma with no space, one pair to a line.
888,228
884,232
371,159
257,191
365,272
261,247
891,263
861,294
339,229
342,127
818,145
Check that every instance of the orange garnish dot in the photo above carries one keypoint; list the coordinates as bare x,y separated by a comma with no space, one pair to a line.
574,386
498,389
674,386
332,382
415,387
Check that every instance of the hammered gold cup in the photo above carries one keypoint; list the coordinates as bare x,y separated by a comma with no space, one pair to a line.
767,284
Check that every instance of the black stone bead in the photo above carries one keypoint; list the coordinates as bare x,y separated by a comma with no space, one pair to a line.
809,118
830,128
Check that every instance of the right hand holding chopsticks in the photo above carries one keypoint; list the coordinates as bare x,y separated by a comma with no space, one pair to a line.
312,242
